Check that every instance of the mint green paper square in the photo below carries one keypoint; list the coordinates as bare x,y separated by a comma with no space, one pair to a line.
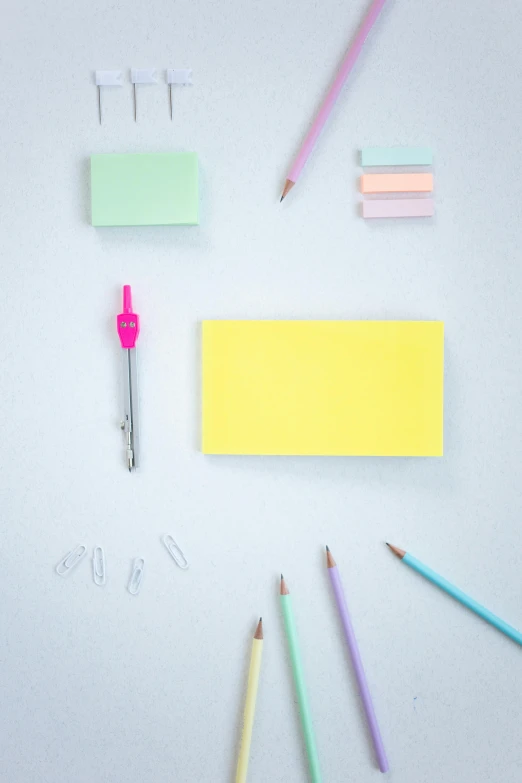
153,189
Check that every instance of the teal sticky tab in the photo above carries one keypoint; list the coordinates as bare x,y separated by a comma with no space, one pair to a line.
156,189
396,156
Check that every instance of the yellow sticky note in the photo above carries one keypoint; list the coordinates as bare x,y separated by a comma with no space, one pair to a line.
368,388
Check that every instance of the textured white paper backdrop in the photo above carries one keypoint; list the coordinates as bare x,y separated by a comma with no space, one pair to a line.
99,686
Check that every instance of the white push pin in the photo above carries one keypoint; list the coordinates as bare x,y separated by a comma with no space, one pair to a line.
183,77
107,79
142,76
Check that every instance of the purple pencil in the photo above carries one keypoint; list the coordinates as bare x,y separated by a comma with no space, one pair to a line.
357,662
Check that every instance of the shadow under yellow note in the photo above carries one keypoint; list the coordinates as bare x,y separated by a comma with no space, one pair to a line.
366,388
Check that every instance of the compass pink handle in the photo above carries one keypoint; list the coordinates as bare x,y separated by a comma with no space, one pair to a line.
128,323
127,299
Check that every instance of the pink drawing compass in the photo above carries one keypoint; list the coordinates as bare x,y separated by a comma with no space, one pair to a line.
128,326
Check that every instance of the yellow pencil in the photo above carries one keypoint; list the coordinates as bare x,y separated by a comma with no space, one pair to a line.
250,704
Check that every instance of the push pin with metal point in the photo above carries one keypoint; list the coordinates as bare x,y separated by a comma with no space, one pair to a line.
183,77
107,79
142,76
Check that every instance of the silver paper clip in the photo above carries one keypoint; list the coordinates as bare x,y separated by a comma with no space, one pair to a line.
175,551
136,578
98,566
71,560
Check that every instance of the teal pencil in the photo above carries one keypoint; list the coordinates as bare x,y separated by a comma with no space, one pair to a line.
299,680
463,598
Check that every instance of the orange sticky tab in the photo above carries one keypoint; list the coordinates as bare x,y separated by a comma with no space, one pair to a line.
396,183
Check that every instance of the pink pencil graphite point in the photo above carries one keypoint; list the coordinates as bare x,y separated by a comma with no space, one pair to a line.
287,188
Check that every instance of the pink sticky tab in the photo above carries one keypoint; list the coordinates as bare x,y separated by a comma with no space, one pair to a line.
398,207
128,323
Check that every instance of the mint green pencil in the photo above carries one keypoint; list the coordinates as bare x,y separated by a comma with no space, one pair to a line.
299,680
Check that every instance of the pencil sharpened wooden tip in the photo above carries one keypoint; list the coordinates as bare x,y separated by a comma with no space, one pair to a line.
284,588
330,562
287,188
396,550
259,630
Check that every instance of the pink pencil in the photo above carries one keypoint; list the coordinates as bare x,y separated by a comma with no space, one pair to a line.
324,112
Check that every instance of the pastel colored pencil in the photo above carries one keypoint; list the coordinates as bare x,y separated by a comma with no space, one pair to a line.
458,594
331,96
358,667
398,208
299,680
250,704
396,183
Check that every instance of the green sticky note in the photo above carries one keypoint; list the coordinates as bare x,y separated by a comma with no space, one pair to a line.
153,189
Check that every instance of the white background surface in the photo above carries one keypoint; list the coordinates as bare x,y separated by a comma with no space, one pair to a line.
99,686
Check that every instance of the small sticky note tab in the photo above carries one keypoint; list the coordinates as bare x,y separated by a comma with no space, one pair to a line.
109,78
366,388
183,76
396,156
143,76
398,207
155,189
396,183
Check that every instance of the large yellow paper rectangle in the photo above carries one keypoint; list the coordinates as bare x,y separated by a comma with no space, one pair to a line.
368,388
